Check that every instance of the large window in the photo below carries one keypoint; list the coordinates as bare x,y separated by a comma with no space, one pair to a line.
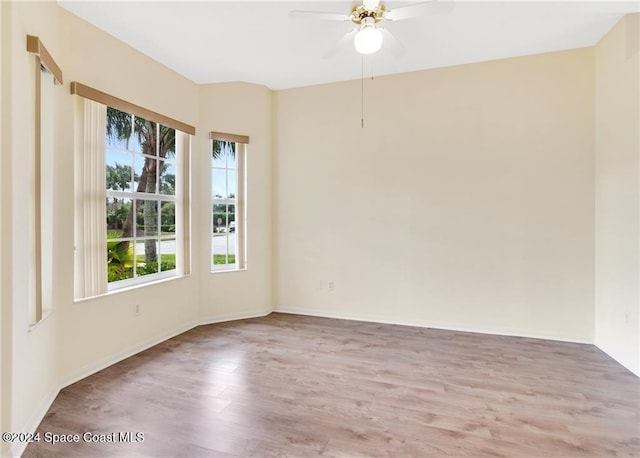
140,197
228,203
132,212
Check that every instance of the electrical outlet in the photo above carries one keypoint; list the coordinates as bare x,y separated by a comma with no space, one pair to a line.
626,317
137,309
331,285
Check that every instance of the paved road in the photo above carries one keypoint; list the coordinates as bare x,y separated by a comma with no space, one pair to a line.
220,243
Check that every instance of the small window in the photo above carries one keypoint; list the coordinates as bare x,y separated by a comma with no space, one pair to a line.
46,166
228,203
47,75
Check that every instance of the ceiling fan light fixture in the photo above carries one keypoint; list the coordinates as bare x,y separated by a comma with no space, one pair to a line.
368,39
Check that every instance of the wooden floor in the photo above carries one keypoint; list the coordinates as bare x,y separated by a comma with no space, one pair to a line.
296,386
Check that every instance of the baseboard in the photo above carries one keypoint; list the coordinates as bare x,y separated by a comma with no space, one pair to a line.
625,364
233,317
32,424
114,359
92,368
431,324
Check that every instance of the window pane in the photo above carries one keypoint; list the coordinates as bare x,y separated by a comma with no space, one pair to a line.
146,218
139,250
218,155
168,218
119,128
119,260
220,248
219,183
117,211
167,142
231,217
231,156
144,140
219,217
146,168
138,167
119,169
147,261
231,234
232,191
167,178
167,254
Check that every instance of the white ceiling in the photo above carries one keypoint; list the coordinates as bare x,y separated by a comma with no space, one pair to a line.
257,42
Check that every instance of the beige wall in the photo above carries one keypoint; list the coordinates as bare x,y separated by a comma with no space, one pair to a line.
106,326
81,337
466,202
30,358
245,109
617,152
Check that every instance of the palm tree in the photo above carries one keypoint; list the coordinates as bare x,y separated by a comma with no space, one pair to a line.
219,145
153,139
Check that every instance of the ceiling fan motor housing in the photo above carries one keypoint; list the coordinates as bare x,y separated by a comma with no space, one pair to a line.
359,14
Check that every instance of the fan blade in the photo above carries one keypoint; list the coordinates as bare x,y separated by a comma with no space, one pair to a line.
392,43
319,15
418,9
340,44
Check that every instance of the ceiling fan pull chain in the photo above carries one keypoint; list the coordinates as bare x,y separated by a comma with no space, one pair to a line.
362,91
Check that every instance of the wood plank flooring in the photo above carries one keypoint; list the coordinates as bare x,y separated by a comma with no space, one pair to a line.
294,386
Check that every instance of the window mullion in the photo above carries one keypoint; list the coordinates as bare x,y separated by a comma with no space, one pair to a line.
135,237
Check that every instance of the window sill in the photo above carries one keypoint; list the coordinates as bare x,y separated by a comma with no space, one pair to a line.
226,271
139,281
132,287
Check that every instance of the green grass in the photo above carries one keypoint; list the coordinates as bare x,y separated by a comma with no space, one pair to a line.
222,259
169,258
168,261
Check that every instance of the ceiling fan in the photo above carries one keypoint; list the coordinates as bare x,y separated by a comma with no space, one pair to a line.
368,15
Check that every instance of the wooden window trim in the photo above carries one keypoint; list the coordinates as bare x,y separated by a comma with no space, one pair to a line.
221,136
128,107
35,46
